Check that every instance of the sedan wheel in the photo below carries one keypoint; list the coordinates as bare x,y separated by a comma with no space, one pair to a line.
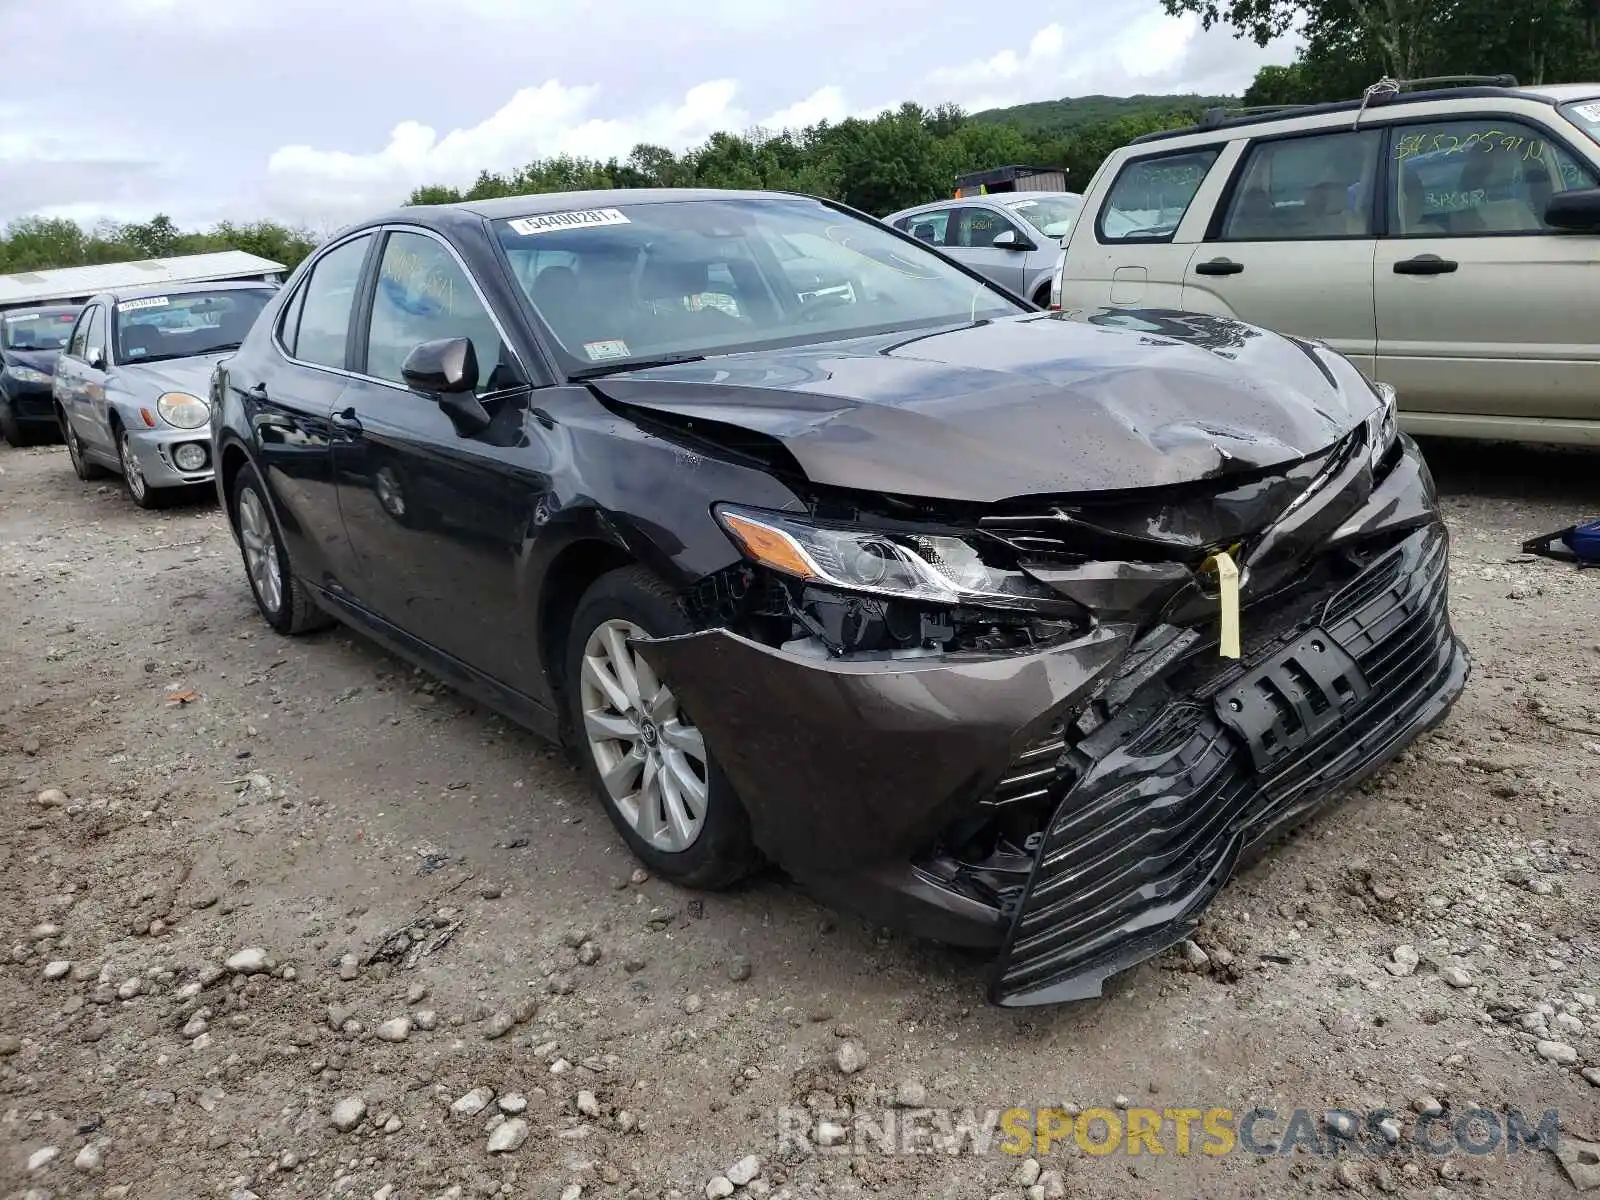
282,599
142,493
81,466
260,547
651,758
646,759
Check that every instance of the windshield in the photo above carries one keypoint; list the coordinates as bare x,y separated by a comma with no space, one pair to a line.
1050,215
642,282
40,328
153,328
1586,116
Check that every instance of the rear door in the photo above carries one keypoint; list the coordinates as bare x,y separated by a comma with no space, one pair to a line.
1482,309
438,512
1126,252
1291,247
82,389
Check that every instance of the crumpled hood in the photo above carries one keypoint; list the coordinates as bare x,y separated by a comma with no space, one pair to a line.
1026,405
192,375
39,360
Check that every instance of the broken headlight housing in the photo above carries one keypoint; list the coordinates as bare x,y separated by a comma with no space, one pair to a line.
1383,426
942,569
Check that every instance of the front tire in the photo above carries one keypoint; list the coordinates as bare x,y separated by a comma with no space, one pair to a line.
282,600
10,428
139,489
643,755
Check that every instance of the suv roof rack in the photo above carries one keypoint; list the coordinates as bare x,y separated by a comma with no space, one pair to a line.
1385,91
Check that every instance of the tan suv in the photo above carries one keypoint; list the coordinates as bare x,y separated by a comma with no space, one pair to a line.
1447,240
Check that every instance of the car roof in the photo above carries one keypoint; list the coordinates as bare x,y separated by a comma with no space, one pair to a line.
538,203
118,295
1001,199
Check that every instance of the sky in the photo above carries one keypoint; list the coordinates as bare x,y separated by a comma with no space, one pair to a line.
319,114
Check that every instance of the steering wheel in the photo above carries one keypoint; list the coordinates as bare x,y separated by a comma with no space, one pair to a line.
809,309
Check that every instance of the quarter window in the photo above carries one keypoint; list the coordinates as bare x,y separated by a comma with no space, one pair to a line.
1150,196
330,293
423,295
1305,188
1465,178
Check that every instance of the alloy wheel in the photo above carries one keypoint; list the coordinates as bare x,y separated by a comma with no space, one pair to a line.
130,466
650,756
260,547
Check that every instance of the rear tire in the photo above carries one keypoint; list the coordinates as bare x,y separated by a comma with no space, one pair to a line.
1042,297
667,796
283,601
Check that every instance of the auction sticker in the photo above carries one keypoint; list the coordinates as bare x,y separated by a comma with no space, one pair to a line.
578,219
1589,112
146,302
599,351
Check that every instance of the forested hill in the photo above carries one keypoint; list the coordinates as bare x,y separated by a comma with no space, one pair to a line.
1053,118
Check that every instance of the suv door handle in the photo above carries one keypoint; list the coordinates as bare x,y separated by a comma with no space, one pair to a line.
1219,266
1425,264
347,422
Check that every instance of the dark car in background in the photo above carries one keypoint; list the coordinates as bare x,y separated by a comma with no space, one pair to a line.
30,341
816,547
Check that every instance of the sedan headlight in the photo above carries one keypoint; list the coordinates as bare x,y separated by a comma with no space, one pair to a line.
934,569
1383,426
183,410
27,374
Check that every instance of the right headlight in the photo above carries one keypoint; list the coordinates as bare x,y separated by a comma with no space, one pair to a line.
182,410
1383,426
931,568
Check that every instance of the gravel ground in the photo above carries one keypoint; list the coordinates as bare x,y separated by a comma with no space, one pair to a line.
288,918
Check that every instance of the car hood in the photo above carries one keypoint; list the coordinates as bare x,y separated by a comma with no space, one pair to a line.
192,375
39,360
1026,405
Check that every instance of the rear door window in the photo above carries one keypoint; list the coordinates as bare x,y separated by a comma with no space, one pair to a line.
1150,196
1305,188
930,227
330,294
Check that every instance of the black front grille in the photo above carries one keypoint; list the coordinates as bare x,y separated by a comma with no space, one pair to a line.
1146,832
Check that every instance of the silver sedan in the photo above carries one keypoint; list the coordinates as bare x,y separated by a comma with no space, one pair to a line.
1011,238
131,387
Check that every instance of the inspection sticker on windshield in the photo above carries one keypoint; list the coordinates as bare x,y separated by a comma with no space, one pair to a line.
1589,112
598,351
147,302
580,219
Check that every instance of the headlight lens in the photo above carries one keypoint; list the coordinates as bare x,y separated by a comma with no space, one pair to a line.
930,568
183,410
27,374
1383,426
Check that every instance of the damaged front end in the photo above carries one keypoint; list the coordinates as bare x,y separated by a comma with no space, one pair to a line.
1010,726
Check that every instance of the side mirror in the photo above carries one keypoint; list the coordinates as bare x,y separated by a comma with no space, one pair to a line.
96,359
1010,239
1579,211
446,367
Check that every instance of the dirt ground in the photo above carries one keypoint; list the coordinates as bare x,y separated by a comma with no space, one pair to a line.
429,903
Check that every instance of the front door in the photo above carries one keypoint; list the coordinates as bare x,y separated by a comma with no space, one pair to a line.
439,513
1482,309
1293,249
973,229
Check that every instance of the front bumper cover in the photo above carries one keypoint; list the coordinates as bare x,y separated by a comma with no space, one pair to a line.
850,770
155,447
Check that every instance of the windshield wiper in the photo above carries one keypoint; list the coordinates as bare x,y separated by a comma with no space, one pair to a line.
636,364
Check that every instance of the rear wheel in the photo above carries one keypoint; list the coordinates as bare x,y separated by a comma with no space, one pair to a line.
643,754
281,598
1042,296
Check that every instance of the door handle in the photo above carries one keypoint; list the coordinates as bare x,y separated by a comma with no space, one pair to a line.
1219,266
347,422
1425,264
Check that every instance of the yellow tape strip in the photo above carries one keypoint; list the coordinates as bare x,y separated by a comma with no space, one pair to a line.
1228,598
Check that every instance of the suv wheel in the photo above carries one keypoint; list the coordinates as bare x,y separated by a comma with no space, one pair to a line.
642,753
281,598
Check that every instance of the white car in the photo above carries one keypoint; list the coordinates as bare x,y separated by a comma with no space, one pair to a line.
1445,239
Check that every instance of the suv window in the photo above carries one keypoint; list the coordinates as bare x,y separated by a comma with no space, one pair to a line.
1150,196
930,227
423,294
1305,187
1460,178
978,227
330,292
